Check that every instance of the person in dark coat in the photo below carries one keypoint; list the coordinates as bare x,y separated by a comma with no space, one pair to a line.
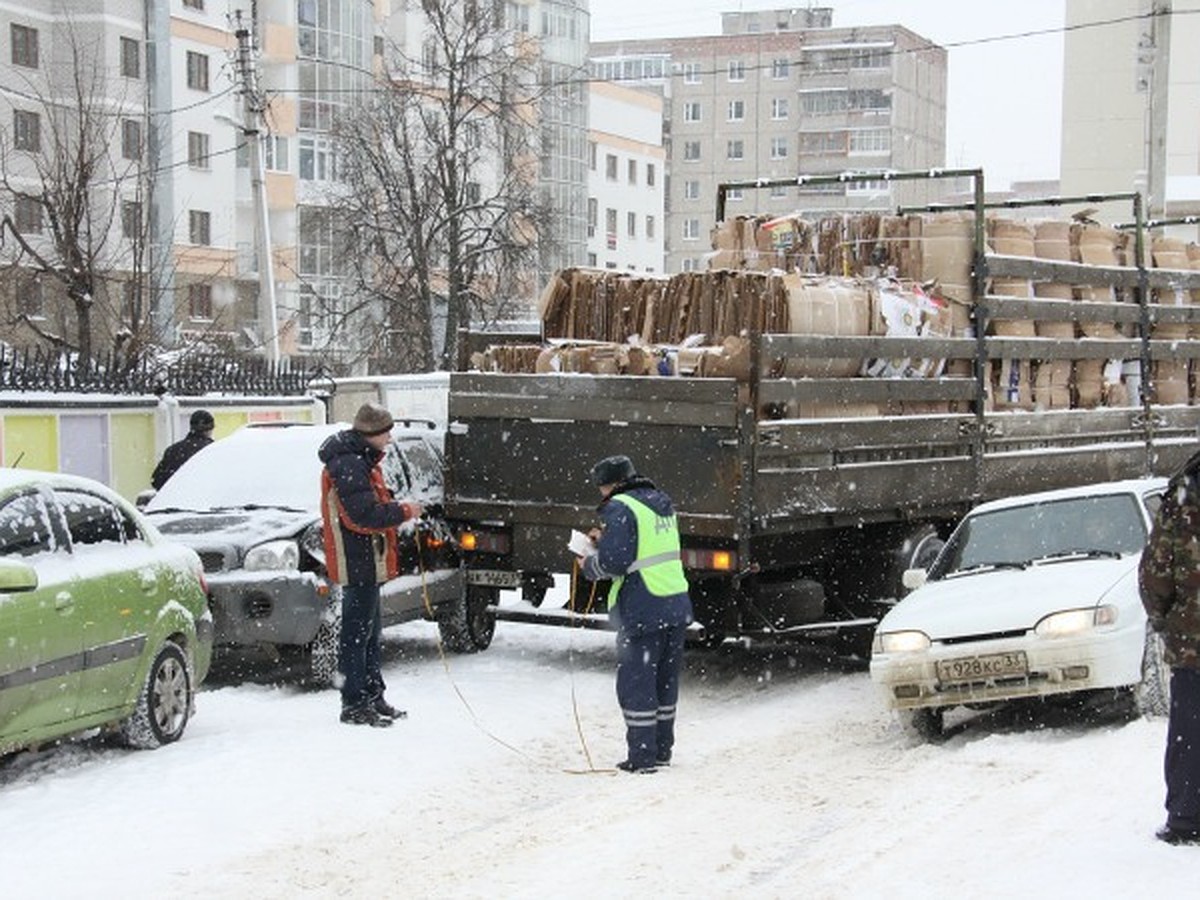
1169,578
638,548
198,437
360,518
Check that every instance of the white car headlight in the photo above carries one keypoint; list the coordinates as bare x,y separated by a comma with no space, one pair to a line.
1075,621
273,555
902,641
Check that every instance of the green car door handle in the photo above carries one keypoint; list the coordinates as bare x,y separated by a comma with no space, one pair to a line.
63,600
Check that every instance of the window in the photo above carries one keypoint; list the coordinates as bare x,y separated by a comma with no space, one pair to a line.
31,299
28,215
737,70
691,111
592,155
688,264
24,46
691,151
737,110
871,140
610,167
734,195
318,160
778,192
131,218
194,4
25,527
197,71
199,227
473,193
131,63
27,130
593,213
779,148
691,73
691,190
275,153
200,301
779,108
131,139
90,520
631,224
691,229
650,227
780,68
592,260
735,150
610,222
198,149
650,174
632,171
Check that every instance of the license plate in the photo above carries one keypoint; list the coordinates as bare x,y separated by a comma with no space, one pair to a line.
494,578
977,668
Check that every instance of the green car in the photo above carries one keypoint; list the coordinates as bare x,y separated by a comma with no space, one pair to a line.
103,623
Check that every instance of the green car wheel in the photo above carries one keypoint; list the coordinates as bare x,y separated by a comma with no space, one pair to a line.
165,704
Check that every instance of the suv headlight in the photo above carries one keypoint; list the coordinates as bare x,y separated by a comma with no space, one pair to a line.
1070,622
273,555
901,642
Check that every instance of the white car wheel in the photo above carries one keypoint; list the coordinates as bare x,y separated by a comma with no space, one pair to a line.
923,724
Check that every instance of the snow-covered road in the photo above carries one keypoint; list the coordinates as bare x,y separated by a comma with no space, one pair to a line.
789,781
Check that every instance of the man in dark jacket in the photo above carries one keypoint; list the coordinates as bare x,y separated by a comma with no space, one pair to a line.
360,518
638,549
198,437
1169,577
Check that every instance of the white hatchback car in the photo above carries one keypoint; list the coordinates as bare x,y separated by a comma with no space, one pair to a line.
1031,596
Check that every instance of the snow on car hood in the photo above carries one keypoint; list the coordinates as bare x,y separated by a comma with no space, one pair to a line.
1010,599
239,528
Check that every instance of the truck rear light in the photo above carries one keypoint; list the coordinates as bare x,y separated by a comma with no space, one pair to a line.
484,542
711,560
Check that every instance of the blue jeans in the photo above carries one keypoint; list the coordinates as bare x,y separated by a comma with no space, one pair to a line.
358,649
1182,762
648,668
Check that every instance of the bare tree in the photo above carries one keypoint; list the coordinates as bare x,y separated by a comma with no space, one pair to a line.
74,194
440,170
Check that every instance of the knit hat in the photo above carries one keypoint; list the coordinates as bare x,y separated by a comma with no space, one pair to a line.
612,470
201,420
372,419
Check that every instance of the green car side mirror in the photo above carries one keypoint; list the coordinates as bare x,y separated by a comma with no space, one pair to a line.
16,576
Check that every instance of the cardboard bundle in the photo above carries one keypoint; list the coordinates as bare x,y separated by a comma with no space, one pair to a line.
1052,240
597,304
1170,253
1193,255
947,253
507,358
825,306
1096,245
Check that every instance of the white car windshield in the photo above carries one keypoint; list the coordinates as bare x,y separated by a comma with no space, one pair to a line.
1020,536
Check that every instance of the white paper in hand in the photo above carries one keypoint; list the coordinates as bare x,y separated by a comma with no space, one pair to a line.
580,544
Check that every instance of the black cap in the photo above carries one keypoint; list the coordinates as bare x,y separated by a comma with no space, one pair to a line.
612,470
202,420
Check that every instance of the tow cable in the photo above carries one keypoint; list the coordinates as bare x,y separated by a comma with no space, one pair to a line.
591,769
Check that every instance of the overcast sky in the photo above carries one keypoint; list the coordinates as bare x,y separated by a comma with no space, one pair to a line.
1005,96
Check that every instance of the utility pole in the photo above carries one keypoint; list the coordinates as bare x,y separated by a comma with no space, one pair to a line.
252,131
1153,79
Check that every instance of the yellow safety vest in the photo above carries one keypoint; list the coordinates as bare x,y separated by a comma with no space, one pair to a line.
658,557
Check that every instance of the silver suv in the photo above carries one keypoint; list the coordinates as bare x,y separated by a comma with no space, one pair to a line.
249,504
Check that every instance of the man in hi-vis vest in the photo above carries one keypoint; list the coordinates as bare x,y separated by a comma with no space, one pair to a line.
639,550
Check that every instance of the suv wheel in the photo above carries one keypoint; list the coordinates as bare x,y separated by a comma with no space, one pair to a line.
323,651
165,702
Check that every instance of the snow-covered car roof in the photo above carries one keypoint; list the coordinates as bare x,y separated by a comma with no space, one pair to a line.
1127,485
269,464
16,478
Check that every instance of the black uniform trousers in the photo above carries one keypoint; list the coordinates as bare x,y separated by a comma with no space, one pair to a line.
1182,762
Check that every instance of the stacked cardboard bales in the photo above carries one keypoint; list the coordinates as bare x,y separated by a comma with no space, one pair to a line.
762,244
1012,379
1171,376
1053,378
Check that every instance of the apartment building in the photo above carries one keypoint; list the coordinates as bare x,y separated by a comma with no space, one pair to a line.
626,179
183,187
782,93
1131,103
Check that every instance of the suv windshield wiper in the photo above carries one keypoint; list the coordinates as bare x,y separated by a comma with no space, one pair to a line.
989,566
1079,553
251,507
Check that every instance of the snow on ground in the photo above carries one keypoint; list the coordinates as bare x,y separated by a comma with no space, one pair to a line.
789,781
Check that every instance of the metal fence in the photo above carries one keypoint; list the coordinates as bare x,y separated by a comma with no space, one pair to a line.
38,369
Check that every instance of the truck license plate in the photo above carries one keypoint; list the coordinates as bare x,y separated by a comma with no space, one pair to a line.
494,578
976,668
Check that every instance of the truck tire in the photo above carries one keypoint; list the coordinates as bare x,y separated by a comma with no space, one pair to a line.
1152,695
466,626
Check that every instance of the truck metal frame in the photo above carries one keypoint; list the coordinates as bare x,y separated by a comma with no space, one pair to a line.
802,527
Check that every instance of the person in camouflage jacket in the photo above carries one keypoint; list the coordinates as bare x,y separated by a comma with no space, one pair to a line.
1169,578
